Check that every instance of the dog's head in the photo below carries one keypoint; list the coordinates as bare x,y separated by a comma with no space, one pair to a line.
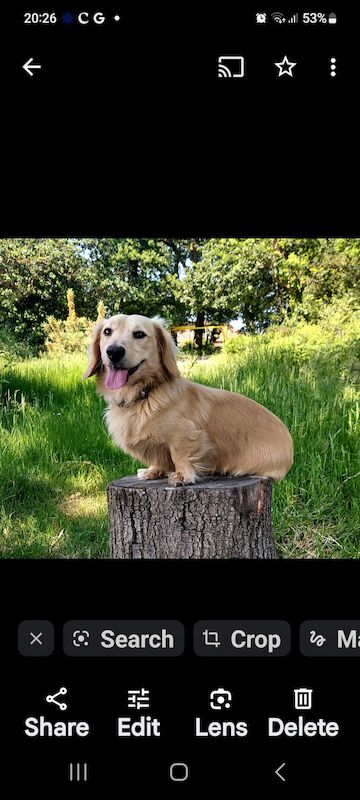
129,348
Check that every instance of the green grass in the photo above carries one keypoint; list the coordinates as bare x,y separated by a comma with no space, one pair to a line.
57,459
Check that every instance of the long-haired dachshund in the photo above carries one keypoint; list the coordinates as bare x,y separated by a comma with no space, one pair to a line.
180,429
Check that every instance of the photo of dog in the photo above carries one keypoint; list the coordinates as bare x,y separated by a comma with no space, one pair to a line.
180,429
205,354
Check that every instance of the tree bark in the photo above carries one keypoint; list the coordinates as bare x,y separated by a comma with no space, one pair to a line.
198,334
216,518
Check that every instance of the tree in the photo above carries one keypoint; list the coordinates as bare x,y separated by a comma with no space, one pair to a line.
265,281
260,281
135,276
34,277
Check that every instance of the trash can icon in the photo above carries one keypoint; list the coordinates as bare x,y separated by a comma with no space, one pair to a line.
303,699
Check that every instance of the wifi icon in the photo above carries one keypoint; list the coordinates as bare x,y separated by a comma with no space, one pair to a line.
231,67
278,17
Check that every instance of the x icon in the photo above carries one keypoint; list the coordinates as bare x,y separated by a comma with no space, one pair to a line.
36,638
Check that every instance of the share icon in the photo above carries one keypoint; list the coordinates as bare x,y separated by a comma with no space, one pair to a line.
51,698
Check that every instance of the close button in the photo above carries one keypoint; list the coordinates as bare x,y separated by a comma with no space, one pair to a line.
36,637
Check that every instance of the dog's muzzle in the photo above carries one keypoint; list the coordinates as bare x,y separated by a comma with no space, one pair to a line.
117,376
115,354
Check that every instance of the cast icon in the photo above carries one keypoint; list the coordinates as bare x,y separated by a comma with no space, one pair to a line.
231,67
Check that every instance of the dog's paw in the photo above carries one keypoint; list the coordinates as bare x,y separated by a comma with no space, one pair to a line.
181,479
149,474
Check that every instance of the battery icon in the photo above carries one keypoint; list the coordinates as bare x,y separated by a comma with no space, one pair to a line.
332,19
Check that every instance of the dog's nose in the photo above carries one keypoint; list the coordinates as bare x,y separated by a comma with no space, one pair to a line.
115,353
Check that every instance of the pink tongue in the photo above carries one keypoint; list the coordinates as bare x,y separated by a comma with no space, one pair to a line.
116,378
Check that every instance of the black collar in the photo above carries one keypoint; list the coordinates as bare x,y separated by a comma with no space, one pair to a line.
143,394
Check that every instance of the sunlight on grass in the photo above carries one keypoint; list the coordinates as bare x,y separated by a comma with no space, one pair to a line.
78,505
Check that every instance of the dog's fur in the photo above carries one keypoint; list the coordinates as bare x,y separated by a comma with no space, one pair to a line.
181,429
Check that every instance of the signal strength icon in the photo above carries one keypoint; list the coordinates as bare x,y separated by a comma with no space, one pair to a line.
278,17
294,19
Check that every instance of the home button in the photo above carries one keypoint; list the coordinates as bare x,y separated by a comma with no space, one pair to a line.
179,772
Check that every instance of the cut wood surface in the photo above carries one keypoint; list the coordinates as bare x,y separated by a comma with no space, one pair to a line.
218,517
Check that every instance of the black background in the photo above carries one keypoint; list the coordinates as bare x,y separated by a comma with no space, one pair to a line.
101,143
102,140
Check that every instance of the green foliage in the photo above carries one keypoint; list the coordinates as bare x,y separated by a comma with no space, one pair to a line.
67,336
134,276
207,283
334,272
332,344
266,280
71,335
34,277
188,347
12,349
340,311
261,281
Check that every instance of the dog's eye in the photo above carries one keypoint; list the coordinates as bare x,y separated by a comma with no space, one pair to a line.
107,331
139,334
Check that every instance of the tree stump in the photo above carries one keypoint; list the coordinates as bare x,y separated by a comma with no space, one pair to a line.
216,518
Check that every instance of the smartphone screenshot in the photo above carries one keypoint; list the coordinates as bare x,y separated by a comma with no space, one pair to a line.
179,400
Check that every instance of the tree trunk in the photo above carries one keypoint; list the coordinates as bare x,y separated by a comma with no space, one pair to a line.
216,518
198,334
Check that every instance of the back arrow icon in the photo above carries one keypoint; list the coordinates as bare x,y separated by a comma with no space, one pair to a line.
278,772
29,66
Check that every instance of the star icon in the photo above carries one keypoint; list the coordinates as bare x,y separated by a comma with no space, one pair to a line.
285,67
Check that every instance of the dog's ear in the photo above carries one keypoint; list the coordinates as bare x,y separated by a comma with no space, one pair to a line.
167,351
95,362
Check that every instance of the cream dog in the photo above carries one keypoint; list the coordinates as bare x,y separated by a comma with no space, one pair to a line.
179,428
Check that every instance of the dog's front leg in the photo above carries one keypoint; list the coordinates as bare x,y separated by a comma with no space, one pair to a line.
184,474
188,451
152,473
